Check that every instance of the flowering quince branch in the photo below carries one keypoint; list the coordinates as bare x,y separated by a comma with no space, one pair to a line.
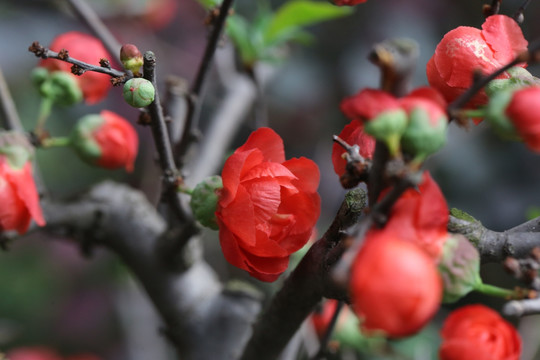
306,285
197,87
11,120
495,246
191,301
79,66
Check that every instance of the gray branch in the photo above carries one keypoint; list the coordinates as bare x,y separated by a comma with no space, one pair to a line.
522,307
202,318
495,246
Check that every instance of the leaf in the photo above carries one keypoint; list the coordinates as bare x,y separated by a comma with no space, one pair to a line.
238,29
297,13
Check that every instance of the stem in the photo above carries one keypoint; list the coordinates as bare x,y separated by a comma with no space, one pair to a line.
518,16
44,112
473,113
56,142
196,91
496,291
184,190
328,333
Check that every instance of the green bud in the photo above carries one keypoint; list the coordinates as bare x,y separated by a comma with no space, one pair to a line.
81,138
496,114
131,58
459,267
62,88
388,126
16,148
139,92
204,200
519,78
39,75
422,137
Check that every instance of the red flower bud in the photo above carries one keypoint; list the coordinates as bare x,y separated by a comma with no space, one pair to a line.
268,206
420,216
466,49
395,287
352,134
85,48
18,194
477,332
107,140
367,104
522,110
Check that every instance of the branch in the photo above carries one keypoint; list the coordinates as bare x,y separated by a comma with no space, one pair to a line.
202,319
195,98
81,66
305,287
90,18
522,307
496,246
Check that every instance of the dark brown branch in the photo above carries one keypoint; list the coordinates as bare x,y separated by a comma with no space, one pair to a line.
496,246
202,319
162,141
197,87
305,287
44,53
90,18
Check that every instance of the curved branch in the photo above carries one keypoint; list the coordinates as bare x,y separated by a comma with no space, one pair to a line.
496,246
196,309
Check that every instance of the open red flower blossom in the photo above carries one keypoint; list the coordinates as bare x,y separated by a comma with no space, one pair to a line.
352,134
367,104
267,207
85,48
480,333
466,49
395,286
420,216
523,110
18,194
106,140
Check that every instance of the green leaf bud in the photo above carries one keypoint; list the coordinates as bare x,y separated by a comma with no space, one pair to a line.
459,267
204,200
139,92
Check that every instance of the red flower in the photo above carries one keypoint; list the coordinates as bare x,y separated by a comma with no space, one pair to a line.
477,332
523,113
465,49
352,134
420,216
367,104
85,48
18,194
267,207
33,353
395,286
322,317
107,140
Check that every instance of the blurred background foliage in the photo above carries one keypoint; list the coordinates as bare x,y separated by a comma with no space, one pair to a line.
51,295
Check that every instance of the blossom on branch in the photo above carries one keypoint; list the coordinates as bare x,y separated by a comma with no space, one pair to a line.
18,195
478,332
267,207
106,140
464,50
353,134
522,111
395,286
86,48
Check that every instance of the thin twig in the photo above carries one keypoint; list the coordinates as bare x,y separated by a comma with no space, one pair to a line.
11,120
45,53
196,91
161,138
518,16
90,18
328,332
